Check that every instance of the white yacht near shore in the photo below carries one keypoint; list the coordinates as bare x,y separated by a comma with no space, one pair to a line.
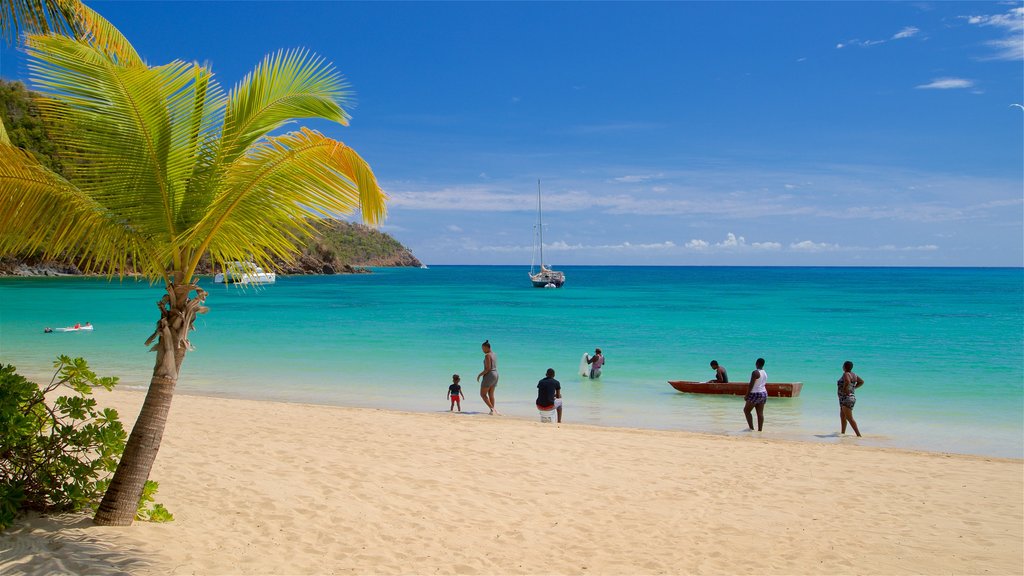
244,273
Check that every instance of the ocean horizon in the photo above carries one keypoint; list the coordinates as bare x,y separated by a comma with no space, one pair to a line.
941,349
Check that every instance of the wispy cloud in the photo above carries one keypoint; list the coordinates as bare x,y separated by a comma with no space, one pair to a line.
906,32
810,246
947,84
562,246
834,192
1011,24
634,178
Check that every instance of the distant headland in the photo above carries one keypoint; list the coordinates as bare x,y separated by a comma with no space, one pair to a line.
339,248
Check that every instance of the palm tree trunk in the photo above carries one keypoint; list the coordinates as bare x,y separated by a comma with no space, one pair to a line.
177,316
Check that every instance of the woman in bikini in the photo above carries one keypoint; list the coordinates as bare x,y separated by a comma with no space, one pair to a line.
846,385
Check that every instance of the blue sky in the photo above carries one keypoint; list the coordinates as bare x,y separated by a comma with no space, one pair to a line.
665,133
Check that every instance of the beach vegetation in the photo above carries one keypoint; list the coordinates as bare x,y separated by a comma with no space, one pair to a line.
171,169
149,510
56,453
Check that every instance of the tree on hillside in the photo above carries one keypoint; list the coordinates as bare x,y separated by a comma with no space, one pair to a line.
169,168
20,116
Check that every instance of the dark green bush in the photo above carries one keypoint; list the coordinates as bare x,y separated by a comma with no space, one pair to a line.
55,455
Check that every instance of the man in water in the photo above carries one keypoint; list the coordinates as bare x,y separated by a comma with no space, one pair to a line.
757,395
549,393
720,374
596,362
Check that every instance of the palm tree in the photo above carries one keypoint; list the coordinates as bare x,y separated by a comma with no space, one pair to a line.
167,168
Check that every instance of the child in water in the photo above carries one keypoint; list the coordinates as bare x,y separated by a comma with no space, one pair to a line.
454,391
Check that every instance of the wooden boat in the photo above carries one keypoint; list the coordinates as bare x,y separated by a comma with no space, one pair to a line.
777,389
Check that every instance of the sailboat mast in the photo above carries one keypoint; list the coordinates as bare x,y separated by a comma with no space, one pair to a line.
540,226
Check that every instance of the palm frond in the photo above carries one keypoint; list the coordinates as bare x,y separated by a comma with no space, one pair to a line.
285,86
19,17
273,193
99,32
4,138
131,147
65,17
40,211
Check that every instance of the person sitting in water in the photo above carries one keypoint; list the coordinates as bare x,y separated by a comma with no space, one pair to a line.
596,362
47,330
77,325
720,373
549,393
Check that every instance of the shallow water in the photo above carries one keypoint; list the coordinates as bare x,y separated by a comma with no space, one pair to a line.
941,350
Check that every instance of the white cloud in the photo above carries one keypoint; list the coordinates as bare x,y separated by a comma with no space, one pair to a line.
947,84
809,246
634,178
833,191
732,242
453,228
923,248
1011,23
562,246
624,246
907,32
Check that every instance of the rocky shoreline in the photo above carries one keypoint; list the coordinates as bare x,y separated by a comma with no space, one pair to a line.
341,248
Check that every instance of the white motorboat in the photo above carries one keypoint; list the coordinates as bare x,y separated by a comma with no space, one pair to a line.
244,273
75,328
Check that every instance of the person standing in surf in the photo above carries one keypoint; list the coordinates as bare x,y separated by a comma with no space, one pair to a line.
757,395
488,378
596,362
847,383
454,391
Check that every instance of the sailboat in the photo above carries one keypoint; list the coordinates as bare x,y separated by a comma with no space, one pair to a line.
546,278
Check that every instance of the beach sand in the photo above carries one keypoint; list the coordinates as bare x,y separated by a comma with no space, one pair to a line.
269,488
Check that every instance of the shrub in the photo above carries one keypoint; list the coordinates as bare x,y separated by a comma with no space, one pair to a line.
57,457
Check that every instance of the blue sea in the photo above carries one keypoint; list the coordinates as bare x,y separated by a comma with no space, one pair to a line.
941,350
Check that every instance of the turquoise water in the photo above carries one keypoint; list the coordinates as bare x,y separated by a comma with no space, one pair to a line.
941,350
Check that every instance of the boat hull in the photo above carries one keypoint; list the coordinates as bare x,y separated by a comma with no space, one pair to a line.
544,282
547,279
258,278
244,273
775,389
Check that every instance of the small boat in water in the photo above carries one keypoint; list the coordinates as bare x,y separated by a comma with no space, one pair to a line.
546,278
244,273
75,328
776,389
